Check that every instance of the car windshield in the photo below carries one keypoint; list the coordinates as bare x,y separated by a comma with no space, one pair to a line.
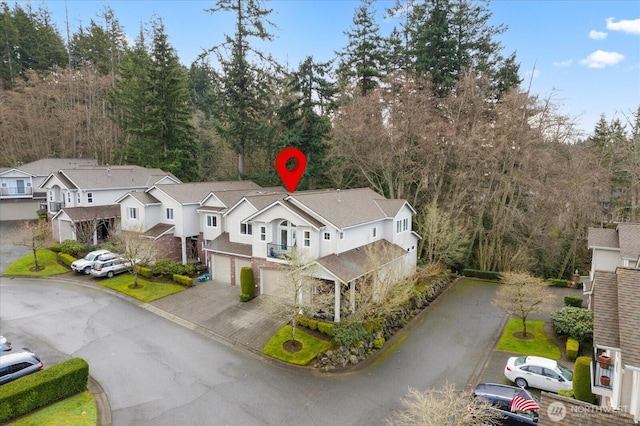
520,360
89,257
566,373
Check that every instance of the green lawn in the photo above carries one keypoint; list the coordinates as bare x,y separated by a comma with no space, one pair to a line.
311,346
77,410
46,258
539,345
149,292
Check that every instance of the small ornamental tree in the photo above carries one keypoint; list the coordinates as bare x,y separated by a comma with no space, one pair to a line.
137,249
520,294
34,236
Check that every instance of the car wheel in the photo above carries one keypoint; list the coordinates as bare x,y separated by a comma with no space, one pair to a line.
521,383
87,270
110,275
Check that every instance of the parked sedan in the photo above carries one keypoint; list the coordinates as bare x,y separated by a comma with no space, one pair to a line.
538,372
502,399
18,363
110,267
84,265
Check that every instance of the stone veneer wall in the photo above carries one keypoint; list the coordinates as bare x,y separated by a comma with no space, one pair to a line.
556,410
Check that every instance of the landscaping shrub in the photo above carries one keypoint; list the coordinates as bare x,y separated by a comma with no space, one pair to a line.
245,297
74,248
575,301
553,282
167,268
378,343
582,380
247,284
567,393
350,334
573,322
42,388
313,324
190,269
145,272
485,275
302,321
66,259
55,247
572,348
183,280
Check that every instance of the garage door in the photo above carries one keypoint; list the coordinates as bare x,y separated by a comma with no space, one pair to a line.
241,263
221,269
272,282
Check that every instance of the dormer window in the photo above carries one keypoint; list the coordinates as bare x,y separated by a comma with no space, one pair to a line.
212,221
133,213
89,197
169,213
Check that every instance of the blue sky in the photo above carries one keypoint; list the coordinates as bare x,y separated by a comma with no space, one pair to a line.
584,55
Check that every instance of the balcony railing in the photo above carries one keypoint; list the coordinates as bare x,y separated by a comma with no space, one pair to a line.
278,251
602,372
56,206
15,191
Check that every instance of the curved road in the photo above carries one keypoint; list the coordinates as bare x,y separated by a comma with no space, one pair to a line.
155,372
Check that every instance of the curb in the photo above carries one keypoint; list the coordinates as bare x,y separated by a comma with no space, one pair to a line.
103,407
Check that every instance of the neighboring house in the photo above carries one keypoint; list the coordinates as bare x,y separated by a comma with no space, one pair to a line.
81,202
613,297
19,195
168,214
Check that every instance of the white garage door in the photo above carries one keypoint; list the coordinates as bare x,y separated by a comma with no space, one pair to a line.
241,263
221,269
272,282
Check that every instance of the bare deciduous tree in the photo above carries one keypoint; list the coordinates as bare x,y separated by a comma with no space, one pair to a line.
520,294
442,239
34,236
446,406
137,249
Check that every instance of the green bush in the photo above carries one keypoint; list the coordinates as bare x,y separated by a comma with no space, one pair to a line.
573,322
167,268
485,275
245,297
183,280
326,328
74,248
350,334
553,282
582,380
378,343
302,321
190,269
313,324
55,247
145,272
42,388
66,259
247,283
575,301
567,393
572,348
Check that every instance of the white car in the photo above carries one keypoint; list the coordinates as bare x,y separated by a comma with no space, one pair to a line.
84,265
538,372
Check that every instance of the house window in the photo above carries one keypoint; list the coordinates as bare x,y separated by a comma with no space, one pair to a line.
402,225
375,232
327,236
212,221
342,236
89,197
169,213
50,195
69,197
398,226
245,229
4,183
263,233
78,198
307,239
133,213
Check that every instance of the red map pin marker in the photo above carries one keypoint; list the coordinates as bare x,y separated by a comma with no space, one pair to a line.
290,175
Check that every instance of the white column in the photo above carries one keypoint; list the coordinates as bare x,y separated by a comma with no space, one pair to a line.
183,242
336,301
352,296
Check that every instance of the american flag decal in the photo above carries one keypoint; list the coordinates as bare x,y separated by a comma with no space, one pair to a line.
522,402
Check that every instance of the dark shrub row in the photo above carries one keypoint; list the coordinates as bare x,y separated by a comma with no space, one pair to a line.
554,282
42,388
484,275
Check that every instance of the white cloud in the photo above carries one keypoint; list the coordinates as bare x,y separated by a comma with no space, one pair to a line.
597,35
566,63
624,25
601,59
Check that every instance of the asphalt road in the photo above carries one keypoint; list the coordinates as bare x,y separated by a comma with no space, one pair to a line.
156,372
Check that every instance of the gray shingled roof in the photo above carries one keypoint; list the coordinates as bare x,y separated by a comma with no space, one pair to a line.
188,193
223,245
108,177
601,237
629,237
158,230
46,166
606,320
629,315
355,263
348,207
79,214
144,197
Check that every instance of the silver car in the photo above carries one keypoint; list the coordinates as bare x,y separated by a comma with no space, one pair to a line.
84,265
110,267
18,363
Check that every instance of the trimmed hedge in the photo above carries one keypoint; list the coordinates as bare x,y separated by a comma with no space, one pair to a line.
42,388
183,280
247,283
575,301
553,282
66,259
582,380
485,275
145,272
572,348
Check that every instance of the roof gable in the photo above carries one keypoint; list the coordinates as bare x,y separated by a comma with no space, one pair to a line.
629,240
112,177
603,238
